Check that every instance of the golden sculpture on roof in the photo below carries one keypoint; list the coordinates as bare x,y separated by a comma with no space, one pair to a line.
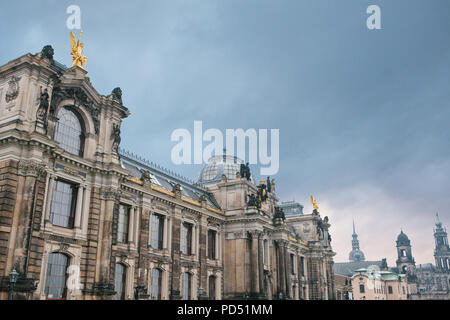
314,203
77,51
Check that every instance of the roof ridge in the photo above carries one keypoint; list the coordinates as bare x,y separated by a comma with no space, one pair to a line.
171,174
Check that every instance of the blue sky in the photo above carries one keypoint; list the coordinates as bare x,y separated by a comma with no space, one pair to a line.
363,115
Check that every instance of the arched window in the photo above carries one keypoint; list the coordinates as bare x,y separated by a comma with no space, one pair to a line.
55,284
69,132
120,281
212,288
187,286
156,284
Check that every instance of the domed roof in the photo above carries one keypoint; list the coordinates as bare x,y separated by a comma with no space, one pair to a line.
402,239
217,166
356,255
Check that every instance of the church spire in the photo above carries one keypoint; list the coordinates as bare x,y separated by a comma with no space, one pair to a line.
356,254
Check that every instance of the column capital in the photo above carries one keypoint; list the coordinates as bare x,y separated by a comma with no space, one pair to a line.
31,168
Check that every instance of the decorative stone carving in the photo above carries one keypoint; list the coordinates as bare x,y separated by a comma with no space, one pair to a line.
253,201
13,89
279,216
245,171
177,190
117,94
31,168
80,98
306,228
145,178
115,135
41,114
47,52
108,193
63,247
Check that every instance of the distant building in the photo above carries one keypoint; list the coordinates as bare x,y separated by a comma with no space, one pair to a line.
381,285
434,280
356,254
343,287
343,271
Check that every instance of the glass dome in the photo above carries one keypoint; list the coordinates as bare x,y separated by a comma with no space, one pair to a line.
217,166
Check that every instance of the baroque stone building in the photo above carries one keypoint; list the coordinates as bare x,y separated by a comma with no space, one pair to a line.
82,219
433,281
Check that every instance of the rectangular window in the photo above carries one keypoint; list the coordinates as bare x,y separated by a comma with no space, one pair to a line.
187,286
157,239
301,264
361,288
390,290
186,240
156,284
123,224
63,205
292,263
212,244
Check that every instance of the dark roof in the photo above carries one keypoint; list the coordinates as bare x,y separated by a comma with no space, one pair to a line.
165,179
348,268
403,239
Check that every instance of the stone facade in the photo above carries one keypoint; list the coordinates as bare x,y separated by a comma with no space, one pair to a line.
135,231
433,281
381,285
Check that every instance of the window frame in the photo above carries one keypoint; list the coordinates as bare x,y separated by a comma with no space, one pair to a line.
212,243
158,284
161,221
126,232
212,287
73,202
187,238
123,281
82,136
48,272
187,279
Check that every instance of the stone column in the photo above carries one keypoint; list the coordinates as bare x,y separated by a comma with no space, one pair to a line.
175,274
108,196
254,263
46,192
136,229
48,204
282,267
21,234
260,263
218,237
131,225
86,202
287,271
79,206
168,235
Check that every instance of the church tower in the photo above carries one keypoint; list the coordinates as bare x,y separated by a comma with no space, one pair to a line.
356,254
405,261
442,250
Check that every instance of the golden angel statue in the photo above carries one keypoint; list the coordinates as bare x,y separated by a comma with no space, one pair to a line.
314,203
77,51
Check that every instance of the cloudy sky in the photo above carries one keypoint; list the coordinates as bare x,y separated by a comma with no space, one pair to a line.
363,115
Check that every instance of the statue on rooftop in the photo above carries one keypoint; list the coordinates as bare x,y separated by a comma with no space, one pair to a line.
77,51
